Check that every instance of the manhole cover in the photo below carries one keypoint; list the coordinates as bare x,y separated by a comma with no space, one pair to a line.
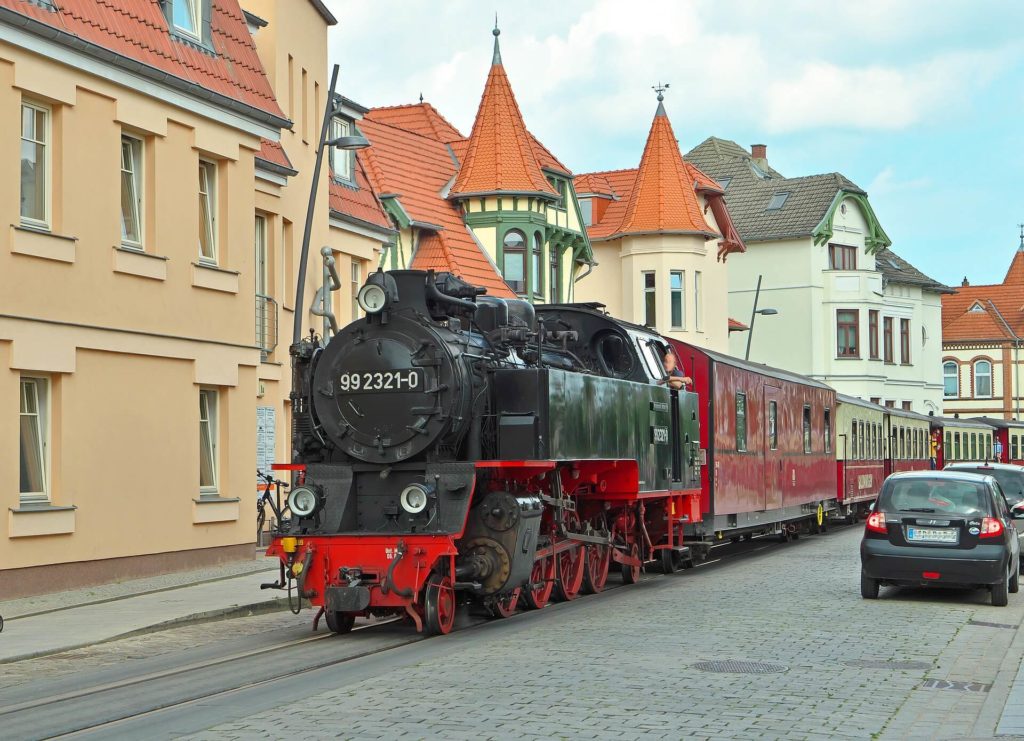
946,684
740,667
883,664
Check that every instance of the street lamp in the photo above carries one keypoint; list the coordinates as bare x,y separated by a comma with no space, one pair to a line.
753,316
350,142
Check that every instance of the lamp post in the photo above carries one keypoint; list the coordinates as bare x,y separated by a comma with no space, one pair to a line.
350,143
753,316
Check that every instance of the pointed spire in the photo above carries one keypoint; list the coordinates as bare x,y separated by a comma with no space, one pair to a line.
663,197
496,59
500,157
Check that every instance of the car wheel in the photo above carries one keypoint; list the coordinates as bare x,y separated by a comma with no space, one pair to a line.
868,586
1000,592
1014,585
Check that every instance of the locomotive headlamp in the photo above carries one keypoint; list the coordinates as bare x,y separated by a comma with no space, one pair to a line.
303,501
371,298
414,498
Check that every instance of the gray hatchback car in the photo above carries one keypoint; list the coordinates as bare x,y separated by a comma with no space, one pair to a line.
947,528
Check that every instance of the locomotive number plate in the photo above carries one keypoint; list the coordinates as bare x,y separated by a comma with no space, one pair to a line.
406,379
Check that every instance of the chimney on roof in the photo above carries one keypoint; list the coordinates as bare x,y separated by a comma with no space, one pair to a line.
759,153
965,282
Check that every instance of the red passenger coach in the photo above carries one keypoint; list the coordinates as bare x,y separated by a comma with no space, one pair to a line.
769,437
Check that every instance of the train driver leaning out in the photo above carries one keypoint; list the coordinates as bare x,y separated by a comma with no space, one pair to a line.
674,377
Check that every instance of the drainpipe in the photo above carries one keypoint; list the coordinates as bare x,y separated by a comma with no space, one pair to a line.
1014,392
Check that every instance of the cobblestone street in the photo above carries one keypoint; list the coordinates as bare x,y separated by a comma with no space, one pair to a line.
624,665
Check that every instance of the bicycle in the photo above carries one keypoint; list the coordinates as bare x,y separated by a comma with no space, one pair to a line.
265,498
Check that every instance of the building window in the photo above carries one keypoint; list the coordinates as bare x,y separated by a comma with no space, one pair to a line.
536,270
827,422
773,429
678,287
131,192
983,379
847,332
906,406
35,439
807,428
841,257
207,211
587,211
265,314
873,334
554,276
357,281
341,159
741,422
950,379
887,337
514,261
905,341
208,441
876,400
187,16
777,201
698,309
650,300
35,164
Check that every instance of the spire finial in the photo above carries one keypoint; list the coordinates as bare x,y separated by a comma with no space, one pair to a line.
1021,248
660,89
421,97
496,59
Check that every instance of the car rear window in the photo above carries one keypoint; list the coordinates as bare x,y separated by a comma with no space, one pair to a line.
936,495
1011,482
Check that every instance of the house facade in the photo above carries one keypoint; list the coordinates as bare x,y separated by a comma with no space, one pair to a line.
156,193
660,235
851,312
983,346
496,208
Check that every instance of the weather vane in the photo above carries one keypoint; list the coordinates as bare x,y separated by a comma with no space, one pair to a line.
660,89
1021,235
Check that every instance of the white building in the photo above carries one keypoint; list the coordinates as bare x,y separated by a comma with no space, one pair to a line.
851,312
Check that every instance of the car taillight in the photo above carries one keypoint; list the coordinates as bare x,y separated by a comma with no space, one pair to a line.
876,522
991,528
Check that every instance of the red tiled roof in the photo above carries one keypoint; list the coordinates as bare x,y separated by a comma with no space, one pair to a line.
138,30
416,168
663,197
274,153
1002,304
502,156
596,183
419,118
359,202
620,183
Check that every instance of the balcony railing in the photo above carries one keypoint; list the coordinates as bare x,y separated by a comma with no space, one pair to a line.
266,325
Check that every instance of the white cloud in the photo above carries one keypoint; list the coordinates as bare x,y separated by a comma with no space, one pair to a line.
886,182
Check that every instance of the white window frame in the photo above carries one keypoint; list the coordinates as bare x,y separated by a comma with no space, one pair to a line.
41,388
652,292
682,298
698,313
212,411
210,195
138,183
955,376
197,18
47,168
356,276
341,159
977,376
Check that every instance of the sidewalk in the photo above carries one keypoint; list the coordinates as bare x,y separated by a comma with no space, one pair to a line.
61,621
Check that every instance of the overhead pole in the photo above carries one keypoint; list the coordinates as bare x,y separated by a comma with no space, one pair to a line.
753,316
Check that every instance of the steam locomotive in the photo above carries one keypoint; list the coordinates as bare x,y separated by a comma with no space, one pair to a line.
450,446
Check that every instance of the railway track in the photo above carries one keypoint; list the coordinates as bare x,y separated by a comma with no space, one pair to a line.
113,703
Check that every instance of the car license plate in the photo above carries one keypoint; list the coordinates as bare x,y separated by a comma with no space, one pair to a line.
933,535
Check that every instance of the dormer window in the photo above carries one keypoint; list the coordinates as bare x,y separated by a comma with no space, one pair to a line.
976,308
187,16
341,159
587,211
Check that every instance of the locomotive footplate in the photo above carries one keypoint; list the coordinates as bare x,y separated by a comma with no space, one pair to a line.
347,599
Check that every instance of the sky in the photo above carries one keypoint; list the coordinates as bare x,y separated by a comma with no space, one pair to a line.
921,103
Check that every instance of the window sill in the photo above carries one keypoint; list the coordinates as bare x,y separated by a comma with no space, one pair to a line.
212,509
848,357
38,519
34,241
214,278
135,261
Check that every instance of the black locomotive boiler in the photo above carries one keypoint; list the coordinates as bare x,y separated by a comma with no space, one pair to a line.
451,446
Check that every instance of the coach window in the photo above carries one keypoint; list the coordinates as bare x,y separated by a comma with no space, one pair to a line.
949,445
974,447
877,447
1014,447
853,440
902,444
828,429
956,446
807,428
773,430
863,441
741,422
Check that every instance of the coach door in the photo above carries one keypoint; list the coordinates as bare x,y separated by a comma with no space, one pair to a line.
772,454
